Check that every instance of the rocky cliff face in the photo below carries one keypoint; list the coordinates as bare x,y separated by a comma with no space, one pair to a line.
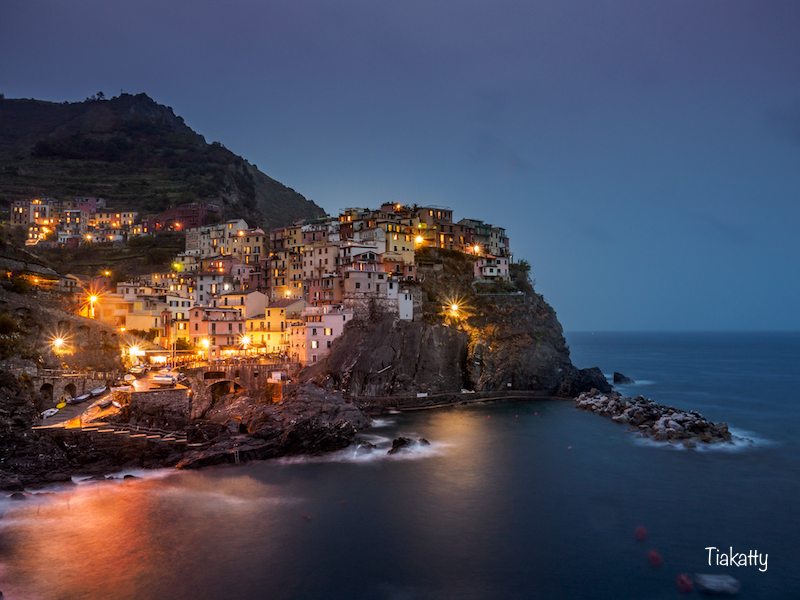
519,342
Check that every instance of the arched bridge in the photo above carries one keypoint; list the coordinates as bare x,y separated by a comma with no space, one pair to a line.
57,383
247,375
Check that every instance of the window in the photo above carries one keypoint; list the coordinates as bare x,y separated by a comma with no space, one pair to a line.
314,331
314,344
328,331
329,343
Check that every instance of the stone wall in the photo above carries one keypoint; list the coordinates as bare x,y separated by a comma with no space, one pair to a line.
166,408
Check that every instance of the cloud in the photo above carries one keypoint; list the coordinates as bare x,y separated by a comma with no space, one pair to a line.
491,152
723,229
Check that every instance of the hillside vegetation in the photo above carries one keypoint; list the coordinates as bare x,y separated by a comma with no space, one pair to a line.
135,153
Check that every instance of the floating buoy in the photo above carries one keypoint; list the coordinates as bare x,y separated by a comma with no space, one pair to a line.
640,532
654,558
61,405
515,416
684,583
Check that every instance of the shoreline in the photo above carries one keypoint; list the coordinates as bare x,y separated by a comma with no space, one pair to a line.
306,435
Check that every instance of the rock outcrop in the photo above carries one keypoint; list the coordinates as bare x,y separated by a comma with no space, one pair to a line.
309,422
653,420
520,345
620,379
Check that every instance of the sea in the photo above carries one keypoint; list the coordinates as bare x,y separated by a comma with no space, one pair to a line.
509,501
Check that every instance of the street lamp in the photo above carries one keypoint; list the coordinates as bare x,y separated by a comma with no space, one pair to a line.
245,340
206,343
92,300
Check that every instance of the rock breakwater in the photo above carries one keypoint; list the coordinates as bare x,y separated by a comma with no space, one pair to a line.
657,421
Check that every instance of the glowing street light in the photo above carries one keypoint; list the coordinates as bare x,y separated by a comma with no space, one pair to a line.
92,300
206,343
454,309
58,342
419,239
245,341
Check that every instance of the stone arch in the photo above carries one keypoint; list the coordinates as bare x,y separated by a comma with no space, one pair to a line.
214,375
236,374
70,390
47,390
222,387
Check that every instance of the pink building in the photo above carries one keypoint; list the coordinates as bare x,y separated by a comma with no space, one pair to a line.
491,268
222,327
313,334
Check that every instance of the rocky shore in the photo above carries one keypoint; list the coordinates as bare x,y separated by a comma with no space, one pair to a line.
652,420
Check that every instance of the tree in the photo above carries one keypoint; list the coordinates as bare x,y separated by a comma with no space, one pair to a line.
101,96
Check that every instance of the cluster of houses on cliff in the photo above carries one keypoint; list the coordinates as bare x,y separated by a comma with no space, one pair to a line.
290,291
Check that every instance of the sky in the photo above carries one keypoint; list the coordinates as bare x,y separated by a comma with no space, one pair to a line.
643,156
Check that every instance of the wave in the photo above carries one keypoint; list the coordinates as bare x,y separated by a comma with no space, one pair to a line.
741,441
378,423
358,455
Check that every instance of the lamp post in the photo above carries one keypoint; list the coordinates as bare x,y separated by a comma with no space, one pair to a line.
92,300
245,339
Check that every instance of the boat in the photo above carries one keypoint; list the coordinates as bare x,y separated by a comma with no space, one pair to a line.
116,404
104,403
162,380
79,399
49,412
129,378
98,391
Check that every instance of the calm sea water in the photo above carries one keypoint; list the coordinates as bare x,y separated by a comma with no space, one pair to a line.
525,500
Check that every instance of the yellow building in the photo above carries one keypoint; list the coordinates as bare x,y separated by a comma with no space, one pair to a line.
269,332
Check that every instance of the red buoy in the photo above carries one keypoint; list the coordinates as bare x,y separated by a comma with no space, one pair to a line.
640,532
684,583
654,558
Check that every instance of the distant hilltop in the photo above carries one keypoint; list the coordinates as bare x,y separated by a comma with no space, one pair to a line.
137,154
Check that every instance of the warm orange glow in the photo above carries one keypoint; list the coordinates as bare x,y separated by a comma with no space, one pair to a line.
58,342
477,248
205,343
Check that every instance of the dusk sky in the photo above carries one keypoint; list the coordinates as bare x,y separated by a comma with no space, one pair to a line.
644,156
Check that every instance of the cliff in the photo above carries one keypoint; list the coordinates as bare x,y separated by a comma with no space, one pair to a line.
501,337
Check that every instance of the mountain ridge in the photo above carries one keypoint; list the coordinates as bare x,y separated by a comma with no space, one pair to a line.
137,154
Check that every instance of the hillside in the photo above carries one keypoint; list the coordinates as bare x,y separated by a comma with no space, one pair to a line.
135,153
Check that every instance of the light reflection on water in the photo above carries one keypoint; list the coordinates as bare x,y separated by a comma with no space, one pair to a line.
534,500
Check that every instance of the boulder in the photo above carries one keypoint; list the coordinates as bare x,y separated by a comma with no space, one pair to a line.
400,444
721,585
620,379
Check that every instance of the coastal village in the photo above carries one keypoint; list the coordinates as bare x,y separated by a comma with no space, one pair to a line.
240,291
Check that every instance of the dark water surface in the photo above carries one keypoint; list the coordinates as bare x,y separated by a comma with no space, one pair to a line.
524,500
